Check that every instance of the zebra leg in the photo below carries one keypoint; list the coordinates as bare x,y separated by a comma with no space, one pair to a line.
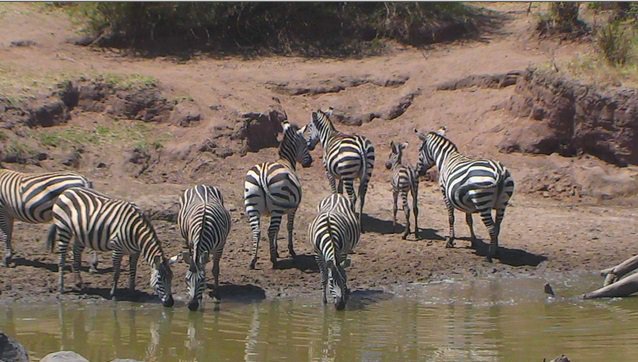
415,211
349,185
406,211
216,258
6,229
117,262
470,224
256,227
500,213
363,189
93,262
291,226
77,262
273,230
486,217
64,237
324,277
395,199
332,182
132,271
450,216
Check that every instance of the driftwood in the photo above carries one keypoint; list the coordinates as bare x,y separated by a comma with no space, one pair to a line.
615,284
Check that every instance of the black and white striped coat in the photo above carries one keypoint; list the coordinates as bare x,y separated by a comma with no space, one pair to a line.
273,188
29,198
346,158
334,233
204,224
404,181
103,223
469,185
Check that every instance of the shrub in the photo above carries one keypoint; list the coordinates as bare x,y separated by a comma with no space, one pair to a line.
614,43
278,26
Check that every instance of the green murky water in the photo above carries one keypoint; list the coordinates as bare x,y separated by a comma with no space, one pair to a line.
505,319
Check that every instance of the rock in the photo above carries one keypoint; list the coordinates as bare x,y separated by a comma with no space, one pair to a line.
335,84
144,104
567,117
11,350
81,40
73,159
259,130
184,114
224,152
47,111
22,43
160,207
63,356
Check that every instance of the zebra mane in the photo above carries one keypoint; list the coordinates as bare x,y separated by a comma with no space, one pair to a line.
439,138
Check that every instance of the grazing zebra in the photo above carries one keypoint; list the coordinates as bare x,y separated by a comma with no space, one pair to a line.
470,185
404,180
29,198
204,224
103,223
274,188
345,157
333,233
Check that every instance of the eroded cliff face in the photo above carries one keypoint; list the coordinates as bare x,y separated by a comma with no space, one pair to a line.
570,118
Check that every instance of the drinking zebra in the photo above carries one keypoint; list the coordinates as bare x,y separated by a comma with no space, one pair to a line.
204,224
470,185
103,223
333,233
404,180
274,188
345,157
29,198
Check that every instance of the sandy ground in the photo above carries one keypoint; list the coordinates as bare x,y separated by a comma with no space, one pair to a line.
539,234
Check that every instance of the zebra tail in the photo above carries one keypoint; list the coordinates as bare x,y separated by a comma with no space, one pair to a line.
364,166
53,232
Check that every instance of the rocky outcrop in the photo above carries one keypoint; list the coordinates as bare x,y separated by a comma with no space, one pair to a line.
393,109
142,102
570,118
11,350
482,81
259,129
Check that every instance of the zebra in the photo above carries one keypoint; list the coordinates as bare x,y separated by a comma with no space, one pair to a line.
204,224
104,223
29,197
404,180
274,188
345,157
333,233
469,185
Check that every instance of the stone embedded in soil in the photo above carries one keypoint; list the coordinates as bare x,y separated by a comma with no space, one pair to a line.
47,112
501,80
22,43
184,114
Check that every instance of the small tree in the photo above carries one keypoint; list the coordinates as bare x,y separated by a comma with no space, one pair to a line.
564,16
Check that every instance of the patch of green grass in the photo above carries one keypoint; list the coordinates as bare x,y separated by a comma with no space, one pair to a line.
3,136
129,81
19,150
67,137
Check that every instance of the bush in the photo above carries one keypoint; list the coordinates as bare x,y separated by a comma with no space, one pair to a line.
562,19
614,43
279,26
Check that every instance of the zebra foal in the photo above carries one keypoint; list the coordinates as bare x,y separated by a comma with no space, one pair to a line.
204,224
102,223
29,198
404,181
469,185
333,233
273,188
345,157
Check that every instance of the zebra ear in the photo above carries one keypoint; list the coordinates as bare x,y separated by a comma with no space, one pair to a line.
392,145
302,130
419,134
441,131
175,259
403,145
329,111
285,125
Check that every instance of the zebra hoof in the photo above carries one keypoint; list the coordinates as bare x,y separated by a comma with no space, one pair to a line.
449,244
93,270
252,265
404,236
274,265
488,259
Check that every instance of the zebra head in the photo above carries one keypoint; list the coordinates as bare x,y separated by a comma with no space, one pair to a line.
427,156
162,279
195,282
318,122
396,154
337,284
294,146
